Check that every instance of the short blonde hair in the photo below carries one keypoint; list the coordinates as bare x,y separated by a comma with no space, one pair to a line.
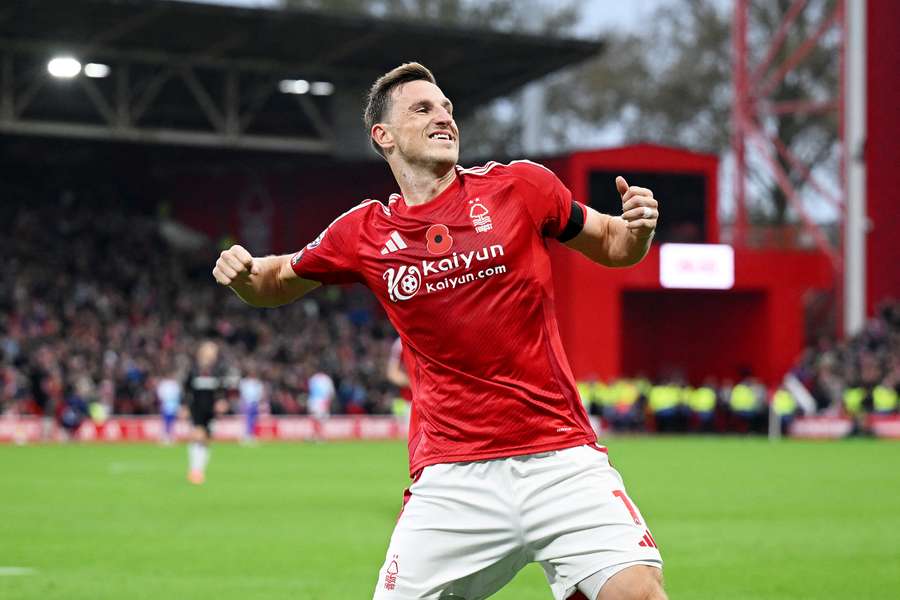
379,100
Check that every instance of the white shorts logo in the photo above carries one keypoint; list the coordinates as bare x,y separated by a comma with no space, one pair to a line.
402,283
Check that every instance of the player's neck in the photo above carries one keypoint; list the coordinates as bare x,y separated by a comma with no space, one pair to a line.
419,185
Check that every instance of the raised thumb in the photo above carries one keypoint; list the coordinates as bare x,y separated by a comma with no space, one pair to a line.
621,185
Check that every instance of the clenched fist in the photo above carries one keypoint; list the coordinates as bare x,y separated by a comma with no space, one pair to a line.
639,208
235,266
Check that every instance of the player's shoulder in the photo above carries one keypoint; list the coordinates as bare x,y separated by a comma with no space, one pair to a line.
353,218
524,170
364,210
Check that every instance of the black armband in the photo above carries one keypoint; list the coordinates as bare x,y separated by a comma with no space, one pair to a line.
575,224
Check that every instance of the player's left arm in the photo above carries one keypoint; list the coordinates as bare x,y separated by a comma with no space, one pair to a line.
619,241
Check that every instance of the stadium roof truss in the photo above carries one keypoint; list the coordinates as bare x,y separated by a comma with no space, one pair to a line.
205,103
220,76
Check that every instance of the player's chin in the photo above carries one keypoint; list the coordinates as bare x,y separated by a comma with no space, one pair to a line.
444,156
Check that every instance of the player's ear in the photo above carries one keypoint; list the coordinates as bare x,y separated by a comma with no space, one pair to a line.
382,136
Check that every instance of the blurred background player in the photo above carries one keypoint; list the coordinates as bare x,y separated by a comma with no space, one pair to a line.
41,380
168,391
321,394
250,392
396,375
205,385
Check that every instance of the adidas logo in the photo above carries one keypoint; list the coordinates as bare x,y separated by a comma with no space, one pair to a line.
394,244
648,541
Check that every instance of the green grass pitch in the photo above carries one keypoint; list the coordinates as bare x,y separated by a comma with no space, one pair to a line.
735,518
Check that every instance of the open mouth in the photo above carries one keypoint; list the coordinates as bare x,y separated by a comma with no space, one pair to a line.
440,135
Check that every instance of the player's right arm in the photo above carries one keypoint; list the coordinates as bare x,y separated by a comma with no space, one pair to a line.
263,282
331,258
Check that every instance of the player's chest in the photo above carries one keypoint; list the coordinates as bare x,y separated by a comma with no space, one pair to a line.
470,243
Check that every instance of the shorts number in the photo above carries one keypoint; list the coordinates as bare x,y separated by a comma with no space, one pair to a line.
620,494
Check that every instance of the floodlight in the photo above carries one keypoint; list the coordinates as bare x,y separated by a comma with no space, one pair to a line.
64,67
96,70
322,88
293,86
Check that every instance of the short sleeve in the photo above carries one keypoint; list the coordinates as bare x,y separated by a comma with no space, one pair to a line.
549,202
332,256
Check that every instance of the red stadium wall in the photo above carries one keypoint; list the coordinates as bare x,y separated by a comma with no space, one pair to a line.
658,338
622,321
882,154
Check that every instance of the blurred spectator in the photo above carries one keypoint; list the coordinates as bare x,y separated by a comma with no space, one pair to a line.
884,397
667,404
747,403
396,374
169,392
702,404
75,407
785,407
251,391
623,404
321,395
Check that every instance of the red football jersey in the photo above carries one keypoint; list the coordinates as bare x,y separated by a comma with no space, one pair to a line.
465,279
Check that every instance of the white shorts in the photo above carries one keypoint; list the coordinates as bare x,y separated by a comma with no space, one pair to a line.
468,528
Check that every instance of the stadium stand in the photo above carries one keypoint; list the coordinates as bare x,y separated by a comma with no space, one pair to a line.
96,305
858,375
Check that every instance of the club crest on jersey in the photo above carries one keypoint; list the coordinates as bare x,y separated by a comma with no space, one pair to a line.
402,282
478,212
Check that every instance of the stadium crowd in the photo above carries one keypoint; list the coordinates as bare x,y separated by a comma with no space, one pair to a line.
97,307
859,375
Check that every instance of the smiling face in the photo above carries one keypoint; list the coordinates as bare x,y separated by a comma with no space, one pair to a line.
419,128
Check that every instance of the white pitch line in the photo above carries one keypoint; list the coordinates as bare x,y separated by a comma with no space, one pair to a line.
8,571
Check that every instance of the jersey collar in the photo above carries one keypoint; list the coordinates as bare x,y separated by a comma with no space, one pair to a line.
399,206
